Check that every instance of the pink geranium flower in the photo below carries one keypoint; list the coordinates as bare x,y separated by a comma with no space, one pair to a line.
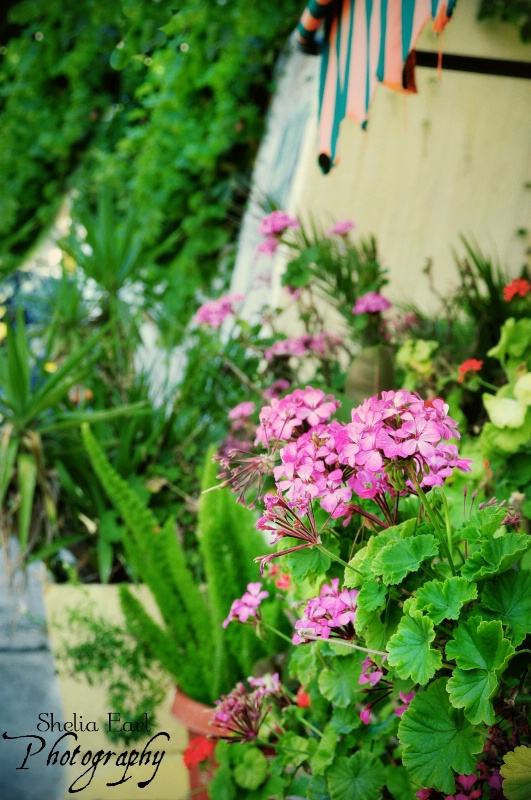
371,303
341,228
276,223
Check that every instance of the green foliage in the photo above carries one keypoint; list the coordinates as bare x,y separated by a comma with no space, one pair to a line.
409,649
102,652
398,559
340,683
508,599
445,599
481,653
359,777
517,12
516,772
437,739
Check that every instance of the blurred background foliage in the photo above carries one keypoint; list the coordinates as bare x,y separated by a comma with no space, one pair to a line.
163,106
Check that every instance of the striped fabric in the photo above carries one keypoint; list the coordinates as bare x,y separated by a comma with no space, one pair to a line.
366,42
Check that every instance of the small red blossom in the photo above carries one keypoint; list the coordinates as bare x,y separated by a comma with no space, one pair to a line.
519,287
470,365
200,749
283,581
302,698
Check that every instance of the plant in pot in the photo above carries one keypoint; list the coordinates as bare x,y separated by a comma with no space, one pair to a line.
188,641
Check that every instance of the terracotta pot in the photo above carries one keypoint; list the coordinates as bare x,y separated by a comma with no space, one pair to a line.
195,717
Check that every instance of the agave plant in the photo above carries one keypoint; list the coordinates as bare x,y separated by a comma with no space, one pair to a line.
34,409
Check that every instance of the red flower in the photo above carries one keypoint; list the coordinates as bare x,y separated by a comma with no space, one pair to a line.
518,287
198,750
470,365
303,698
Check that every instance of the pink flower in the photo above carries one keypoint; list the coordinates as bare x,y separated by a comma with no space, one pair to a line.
406,699
242,410
276,223
247,607
370,673
215,312
341,228
423,794
371,303
365,714
268,246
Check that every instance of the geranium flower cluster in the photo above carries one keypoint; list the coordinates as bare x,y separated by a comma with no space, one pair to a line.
301,409
519,287
272,227
321,344
331,614
241,713
215,312
248,605
199,749
369,456
371,303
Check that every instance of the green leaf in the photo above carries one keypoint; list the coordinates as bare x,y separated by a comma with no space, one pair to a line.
326,750
508,598
471,690
398,559
27,482
496,555
444,599
516,771
360,777
482,525
480,645
318,789
345,720
362,560
303,663
398,782
504,412
340,683
371,597
222,786
252,770
307,563
409,649
294,750
437,739
481,653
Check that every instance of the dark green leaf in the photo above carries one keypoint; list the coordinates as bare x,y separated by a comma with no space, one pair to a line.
438,740
360,777
398,559
508,598
340,683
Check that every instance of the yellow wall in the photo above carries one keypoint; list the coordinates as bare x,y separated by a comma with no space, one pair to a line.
453,159
171,781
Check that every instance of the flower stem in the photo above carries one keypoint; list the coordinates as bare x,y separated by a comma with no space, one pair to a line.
336,558
276,631
432,516
345,644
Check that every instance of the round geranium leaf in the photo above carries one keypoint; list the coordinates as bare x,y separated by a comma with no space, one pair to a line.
359,777
438,739
516,771
252,770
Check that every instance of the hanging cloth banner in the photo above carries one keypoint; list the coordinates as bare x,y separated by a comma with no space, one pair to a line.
365,42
